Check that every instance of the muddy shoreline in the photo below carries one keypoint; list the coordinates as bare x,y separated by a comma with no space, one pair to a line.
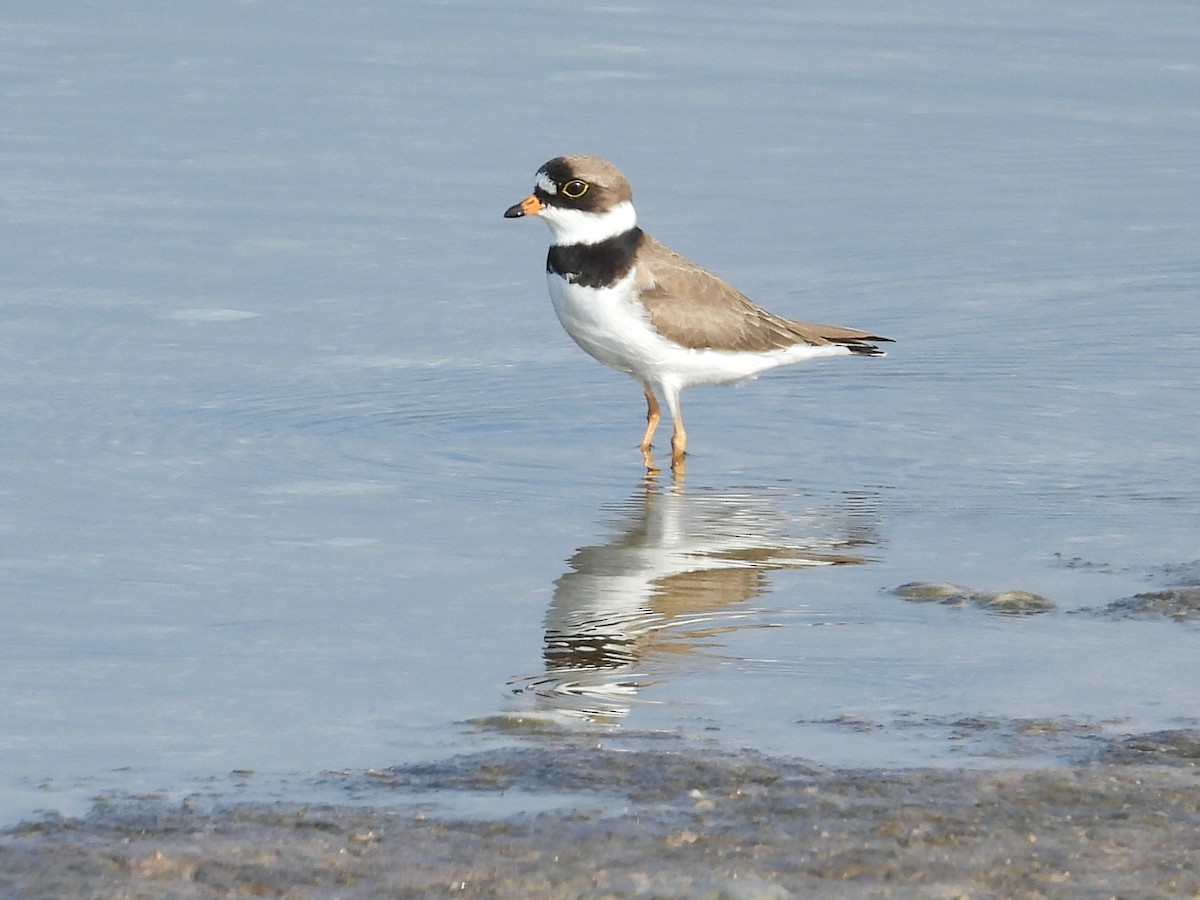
652,822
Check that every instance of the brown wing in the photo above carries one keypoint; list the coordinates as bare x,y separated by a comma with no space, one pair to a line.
695,308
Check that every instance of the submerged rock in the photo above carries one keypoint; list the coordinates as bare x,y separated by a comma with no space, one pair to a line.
1180,747
944,592
1007,603
1179,603
1015,603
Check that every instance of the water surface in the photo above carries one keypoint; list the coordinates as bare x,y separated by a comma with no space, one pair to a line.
301,473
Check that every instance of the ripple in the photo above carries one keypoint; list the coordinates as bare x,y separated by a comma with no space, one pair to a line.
201,316
328,488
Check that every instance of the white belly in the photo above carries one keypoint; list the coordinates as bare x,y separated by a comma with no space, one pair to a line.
613,328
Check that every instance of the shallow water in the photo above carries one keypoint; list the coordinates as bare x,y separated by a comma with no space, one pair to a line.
301,473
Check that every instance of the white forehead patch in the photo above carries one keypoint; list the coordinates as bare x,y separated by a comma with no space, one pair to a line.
543,181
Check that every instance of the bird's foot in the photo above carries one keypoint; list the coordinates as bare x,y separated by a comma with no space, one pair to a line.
678,450
648,459
678,464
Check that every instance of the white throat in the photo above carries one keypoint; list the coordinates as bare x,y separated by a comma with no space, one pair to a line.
574,226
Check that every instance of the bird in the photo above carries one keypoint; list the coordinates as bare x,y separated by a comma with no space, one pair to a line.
641,308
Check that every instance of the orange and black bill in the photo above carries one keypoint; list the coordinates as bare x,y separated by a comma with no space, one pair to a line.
530,206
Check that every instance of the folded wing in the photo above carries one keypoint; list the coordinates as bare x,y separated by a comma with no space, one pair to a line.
695,308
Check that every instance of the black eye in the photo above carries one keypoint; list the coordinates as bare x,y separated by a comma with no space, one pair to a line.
575,189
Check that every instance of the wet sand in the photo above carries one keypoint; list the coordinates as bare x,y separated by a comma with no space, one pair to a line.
656,822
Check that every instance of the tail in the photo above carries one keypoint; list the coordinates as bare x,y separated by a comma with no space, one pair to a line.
863,346
860,343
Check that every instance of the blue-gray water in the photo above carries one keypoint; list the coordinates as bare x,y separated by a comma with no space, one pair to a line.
299,471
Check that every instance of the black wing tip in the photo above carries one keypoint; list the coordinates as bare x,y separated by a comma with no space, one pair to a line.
864,346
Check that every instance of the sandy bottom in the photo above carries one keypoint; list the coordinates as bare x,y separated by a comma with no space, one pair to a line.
654,822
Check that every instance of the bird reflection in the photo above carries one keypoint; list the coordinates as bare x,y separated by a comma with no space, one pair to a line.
679,565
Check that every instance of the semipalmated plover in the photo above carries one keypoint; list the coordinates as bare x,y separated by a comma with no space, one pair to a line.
639,307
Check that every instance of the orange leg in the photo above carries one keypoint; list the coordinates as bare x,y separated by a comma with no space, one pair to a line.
653,415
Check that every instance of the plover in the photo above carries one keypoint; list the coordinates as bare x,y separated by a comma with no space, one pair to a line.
639,307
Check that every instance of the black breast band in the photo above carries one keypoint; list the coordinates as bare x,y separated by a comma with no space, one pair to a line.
595,265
